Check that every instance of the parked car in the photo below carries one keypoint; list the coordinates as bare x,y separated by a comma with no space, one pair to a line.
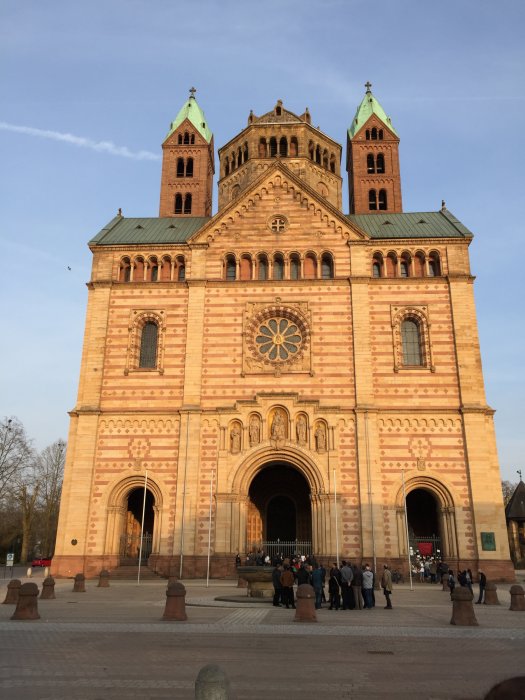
41,562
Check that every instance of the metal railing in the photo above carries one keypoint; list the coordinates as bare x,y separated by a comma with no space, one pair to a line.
130,547
288,549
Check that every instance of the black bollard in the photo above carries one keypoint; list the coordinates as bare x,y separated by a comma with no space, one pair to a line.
27,606
13,589
80,584
48,589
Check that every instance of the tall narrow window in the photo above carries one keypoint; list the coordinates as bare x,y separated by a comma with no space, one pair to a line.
391,265
187,204
380,163
192,138
262,148
318,155
239,157
434,266
372,200
262,267
382,200
246,267
310,266
377,265
180,138
419,264
411,342
327,266
368,134
189,167
148,346
311,150
294,148
231,268
283,147
154,273
380,134
374,134
325,159
178,204
186,137
273,147
295,267
227,166
332,163
370,167
181,269
125,271
245,153
180,167
278,267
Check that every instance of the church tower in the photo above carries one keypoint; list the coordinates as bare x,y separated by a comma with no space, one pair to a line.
374,180
187,164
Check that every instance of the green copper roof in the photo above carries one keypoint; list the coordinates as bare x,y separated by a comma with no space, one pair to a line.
369,106
427,224
191,110
122,231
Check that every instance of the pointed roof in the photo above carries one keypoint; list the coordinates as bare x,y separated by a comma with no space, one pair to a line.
190,110
369,105
515,509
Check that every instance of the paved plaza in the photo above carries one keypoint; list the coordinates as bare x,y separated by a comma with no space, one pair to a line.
110,643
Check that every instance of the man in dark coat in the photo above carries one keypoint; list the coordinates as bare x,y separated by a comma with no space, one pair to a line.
482,584
277,587
346,586
334,587
357,585
287,581
386,585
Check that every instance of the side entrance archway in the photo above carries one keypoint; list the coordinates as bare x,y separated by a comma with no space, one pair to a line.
424,528
130,539
279,511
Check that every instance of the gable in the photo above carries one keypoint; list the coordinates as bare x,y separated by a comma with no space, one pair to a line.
185,127
375,122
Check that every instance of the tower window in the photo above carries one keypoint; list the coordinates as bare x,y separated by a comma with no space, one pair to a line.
227,166
380,163
231,268
368,134
294,148
262,148
295,267
332,163
178,204
434,266
374,134
380,134
273,147
318,155
370,167
187,203
411,343
377,265
148,346
189,167
180,167
262,267
382,200
283,147
278,267
186,137
311,150
245,155
154,273
180,138
372,200
327,266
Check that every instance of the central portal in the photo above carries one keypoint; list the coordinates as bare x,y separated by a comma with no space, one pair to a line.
279,506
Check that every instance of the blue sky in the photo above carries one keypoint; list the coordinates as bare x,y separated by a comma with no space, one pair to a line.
89,89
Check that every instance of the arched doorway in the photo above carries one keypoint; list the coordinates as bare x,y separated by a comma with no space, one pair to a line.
279,511
424,530
130,540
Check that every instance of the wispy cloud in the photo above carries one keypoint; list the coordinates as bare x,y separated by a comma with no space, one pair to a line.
81,141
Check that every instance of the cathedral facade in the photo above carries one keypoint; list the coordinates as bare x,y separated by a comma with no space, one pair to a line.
281,375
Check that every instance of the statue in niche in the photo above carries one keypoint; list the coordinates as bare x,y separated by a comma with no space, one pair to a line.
278,432
300,430
255,430
320,438
235,438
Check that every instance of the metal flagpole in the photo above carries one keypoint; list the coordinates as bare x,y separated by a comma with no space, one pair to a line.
209,530
406,528
142,526
336,523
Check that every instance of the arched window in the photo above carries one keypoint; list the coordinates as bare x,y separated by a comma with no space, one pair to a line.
311,150
278,267
186,137
382,200
148,345
192,138
239,157
405,265
370,167
374,134
318,155
294,147
138,272
233,162
411,342
283,147
178,204
325,159
391,265
181,269
125,271
246,267
231,268
262,148
419,264
377,265
187,203
273,147
180,138
310,266
327,266
154,272
227,166
180,167
368,134
189,167
380,134
372,200
434,265
165,270
262,267
295,267
332,163
245,154
380,168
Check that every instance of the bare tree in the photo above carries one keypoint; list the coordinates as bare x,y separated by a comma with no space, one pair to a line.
15,453
508,489
50,470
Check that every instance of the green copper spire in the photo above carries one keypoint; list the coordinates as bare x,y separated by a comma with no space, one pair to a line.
191,110
369,106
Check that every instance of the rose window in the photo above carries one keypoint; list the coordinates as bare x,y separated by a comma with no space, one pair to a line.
278,339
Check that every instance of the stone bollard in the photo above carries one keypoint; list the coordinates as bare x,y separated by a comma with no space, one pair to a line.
517,598
462,608
13,589
103,579
48,589
491,596
212,684
80,584
305,604
27,606
175,602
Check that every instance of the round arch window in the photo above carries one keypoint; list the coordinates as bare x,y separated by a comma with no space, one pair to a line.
278,339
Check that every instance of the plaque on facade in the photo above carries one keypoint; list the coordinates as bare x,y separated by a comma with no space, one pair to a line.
488,542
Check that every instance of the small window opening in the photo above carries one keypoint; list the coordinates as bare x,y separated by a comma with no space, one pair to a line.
178,204
187,204
372,200
380,163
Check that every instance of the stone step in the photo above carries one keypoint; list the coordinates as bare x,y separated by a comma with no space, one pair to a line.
128,573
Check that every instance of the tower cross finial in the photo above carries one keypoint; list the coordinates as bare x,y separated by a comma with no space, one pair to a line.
519,472
368,85
192,92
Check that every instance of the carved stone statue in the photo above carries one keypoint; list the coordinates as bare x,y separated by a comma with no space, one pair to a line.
320,438
235,438
278,428
300,430
255,430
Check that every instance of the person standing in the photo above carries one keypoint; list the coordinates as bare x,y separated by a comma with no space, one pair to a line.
287,581
334,588
482,585
368,587
317,583
357,585
277,586
346,581
386,585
